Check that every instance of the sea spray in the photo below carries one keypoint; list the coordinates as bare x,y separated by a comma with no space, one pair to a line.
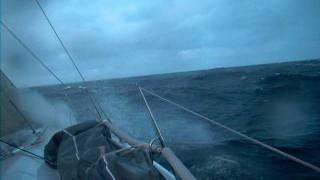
43,112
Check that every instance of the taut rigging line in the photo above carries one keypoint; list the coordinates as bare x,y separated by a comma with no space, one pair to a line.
96,105
40,61
31,52
248,138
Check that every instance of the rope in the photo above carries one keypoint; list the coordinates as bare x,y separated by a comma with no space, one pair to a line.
96,105
107,168
74,143
273,149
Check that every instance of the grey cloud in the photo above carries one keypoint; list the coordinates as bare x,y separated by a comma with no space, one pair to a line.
125,38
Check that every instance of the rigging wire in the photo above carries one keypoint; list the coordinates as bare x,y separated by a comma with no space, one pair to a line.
271,148
154,122
97,106
31,52
35,57
26,151
23,117
38,60
8,79
60,40
45,66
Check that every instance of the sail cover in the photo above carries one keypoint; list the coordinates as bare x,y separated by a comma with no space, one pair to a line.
86,151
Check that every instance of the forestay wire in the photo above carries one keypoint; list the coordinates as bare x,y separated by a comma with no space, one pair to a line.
154,122
273,149
40,61
96,105
31,52
37,58
60,40
26,151
23,117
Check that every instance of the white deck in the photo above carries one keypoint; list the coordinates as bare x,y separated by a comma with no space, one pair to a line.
22,166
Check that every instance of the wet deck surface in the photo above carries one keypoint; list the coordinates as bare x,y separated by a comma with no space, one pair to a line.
22,166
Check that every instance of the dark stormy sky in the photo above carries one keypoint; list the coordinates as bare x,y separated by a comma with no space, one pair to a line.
111,39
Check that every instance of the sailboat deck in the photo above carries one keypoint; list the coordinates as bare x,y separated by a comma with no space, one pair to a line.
23,166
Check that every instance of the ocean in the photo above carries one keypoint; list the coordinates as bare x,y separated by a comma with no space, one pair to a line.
278,104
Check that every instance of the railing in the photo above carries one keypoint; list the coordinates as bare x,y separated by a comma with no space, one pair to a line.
180,170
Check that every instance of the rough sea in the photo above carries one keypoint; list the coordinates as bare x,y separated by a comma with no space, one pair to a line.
278,104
